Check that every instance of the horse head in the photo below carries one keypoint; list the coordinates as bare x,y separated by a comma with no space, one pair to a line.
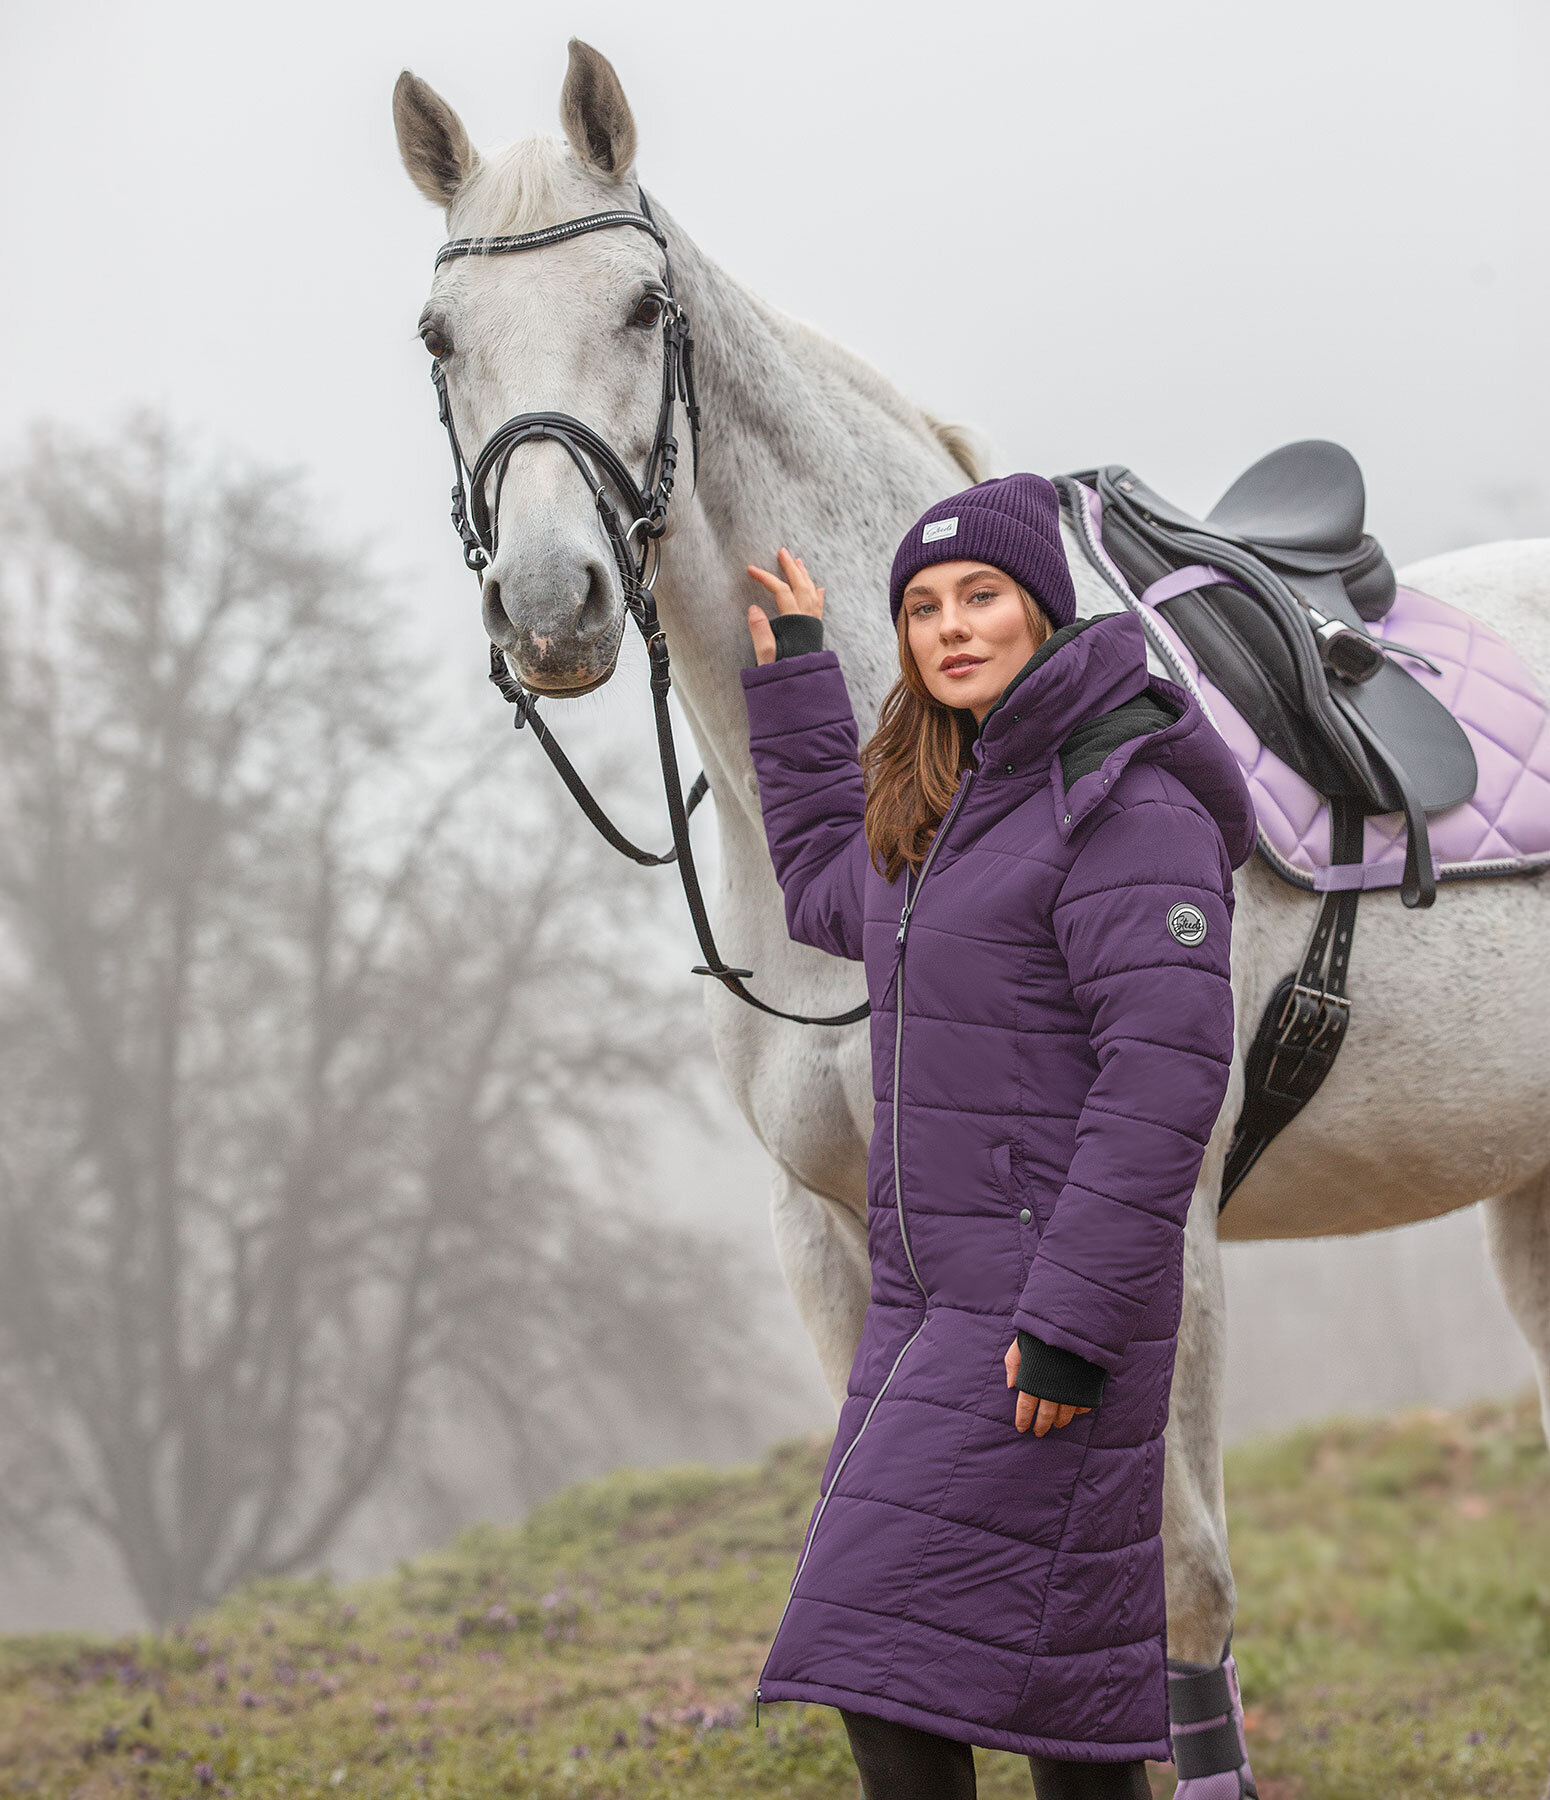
574,330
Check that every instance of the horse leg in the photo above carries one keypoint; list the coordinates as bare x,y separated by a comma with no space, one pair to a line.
822,1249
1517,1234
1205,1707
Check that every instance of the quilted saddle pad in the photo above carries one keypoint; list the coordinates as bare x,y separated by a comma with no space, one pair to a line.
1502,829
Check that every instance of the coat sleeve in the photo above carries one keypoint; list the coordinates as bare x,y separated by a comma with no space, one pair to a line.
1160,1020
806,753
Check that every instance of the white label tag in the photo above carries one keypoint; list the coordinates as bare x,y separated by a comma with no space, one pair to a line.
939,528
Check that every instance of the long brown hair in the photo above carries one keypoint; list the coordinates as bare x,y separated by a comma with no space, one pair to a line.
912,762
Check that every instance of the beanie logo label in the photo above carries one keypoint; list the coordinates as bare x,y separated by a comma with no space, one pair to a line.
939,528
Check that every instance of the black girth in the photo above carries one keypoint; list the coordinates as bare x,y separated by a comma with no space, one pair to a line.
476,493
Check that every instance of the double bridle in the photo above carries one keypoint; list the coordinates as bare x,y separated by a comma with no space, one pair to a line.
475,513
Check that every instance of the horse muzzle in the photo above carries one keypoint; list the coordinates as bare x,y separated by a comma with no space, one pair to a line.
559,627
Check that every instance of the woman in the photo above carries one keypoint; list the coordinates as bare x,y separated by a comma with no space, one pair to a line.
1033,856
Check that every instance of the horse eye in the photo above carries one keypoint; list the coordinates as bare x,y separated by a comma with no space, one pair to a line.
434,341
648,310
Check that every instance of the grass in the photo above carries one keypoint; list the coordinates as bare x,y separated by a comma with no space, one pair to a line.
1393,1636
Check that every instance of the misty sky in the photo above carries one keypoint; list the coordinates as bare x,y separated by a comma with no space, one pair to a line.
1168,235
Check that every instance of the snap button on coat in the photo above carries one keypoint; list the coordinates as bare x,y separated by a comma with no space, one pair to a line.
1045,1053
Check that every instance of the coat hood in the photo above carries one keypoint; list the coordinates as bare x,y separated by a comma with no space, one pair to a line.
1088,668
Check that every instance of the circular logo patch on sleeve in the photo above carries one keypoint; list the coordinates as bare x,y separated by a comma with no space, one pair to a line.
1187,922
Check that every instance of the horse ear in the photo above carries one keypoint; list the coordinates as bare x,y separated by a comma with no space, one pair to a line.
431,140
595,113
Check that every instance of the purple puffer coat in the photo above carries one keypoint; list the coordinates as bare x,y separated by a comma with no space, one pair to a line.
1059,1055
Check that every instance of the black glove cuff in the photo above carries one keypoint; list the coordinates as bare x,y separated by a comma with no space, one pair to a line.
1056,1374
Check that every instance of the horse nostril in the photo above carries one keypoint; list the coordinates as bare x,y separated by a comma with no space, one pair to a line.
596,611
497,624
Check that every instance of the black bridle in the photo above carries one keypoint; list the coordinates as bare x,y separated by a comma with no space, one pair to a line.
475,513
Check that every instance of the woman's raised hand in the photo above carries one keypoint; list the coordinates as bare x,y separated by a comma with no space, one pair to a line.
796,593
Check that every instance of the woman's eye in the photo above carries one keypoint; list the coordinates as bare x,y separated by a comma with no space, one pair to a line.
434,341
983,594
648,310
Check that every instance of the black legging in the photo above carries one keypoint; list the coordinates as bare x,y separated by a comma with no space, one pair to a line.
902,1762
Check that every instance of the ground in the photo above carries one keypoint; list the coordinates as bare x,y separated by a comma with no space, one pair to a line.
1393,1636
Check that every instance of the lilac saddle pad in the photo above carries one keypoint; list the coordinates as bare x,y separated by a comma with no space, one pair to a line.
1502,829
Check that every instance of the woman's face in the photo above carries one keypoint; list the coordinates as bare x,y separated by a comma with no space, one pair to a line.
968,632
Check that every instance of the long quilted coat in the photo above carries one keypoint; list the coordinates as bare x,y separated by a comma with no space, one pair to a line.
1059,1056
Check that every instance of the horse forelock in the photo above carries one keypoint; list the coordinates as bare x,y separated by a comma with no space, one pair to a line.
525,185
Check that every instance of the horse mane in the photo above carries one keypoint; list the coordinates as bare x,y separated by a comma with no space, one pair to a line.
962,444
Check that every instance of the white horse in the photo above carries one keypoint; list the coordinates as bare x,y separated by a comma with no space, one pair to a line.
1441,1095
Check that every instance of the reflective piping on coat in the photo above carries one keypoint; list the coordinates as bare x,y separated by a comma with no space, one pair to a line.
898,1195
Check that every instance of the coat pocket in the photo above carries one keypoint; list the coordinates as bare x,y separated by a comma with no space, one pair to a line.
1007,1161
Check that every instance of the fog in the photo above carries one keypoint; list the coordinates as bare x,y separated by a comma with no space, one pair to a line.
1170,236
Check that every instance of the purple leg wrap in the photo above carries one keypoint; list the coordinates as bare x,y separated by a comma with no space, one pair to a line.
1206,1715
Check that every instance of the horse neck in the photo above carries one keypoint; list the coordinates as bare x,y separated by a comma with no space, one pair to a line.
802,444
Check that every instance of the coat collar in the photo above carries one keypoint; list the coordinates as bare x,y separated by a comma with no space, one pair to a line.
1089,667
1085,668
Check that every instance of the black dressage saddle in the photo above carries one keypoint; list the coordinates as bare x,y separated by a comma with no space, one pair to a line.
1272,592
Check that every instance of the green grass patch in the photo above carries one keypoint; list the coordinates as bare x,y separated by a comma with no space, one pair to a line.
1393,1636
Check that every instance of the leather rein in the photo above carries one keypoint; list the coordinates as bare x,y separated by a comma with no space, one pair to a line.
475,514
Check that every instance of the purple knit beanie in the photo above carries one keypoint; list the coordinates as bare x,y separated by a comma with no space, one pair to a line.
1011,522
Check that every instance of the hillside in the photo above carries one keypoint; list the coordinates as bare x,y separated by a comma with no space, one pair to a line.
1393,1634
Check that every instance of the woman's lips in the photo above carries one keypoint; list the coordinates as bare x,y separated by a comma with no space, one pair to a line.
963,668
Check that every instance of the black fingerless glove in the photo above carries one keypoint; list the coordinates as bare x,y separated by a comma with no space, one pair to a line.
796,634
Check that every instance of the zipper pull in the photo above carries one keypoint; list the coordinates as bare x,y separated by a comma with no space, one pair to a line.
756,1693
904,914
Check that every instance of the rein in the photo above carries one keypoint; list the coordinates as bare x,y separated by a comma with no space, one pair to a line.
475,514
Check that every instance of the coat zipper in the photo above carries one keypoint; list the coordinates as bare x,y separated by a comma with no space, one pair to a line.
898,1195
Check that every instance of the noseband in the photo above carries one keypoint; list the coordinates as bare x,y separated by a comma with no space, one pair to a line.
476,512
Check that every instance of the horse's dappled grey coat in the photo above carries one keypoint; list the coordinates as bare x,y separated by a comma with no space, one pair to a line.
1062,1052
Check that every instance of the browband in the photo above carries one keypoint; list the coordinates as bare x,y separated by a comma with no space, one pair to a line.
550,234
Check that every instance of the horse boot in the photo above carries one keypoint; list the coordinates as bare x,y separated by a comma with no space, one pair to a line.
1205,1713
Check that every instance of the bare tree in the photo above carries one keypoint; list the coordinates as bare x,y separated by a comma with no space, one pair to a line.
315,1071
